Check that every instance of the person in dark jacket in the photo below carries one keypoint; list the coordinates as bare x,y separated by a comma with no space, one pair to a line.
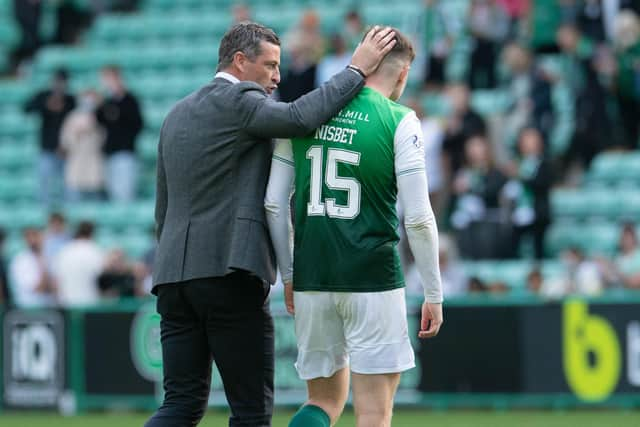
482,229
52,105
462,124
120,115
533,174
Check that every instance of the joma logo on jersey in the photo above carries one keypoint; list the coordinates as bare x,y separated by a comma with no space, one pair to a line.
356,115
335,134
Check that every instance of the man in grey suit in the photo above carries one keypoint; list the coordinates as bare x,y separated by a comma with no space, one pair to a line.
215,261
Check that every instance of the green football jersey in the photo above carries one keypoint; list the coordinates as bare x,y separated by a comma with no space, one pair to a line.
346,224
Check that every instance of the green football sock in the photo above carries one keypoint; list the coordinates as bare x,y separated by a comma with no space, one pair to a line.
310,416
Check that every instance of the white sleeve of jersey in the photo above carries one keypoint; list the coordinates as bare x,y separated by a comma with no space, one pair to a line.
277,204
413,194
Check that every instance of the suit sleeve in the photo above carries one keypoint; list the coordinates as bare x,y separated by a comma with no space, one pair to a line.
161,192
277,204
266,118
413,193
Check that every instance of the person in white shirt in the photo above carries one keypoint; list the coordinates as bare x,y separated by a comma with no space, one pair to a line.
32,286
77,268
335,62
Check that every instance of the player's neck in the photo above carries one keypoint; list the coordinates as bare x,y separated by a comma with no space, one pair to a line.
380,85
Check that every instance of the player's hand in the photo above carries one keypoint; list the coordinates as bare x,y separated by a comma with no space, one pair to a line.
375,46
288,298
431,320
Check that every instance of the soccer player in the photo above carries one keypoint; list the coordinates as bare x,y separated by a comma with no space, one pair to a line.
345,283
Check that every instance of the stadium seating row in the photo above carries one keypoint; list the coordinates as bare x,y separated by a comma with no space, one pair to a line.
511,273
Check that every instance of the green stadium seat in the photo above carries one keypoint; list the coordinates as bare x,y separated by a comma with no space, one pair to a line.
615,168
17,155
512,273
16,216
18,187
14,124
147,148
587,203
490,102
9,31
595,239
15,93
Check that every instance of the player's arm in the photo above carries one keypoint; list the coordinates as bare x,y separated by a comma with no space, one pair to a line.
419,220
277,204
266,118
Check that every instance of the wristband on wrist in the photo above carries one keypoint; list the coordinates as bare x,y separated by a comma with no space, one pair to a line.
357,70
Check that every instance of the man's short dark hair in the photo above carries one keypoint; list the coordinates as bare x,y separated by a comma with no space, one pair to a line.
244,37
85,230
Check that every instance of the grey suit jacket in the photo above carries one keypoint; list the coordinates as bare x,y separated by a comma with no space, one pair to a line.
214,159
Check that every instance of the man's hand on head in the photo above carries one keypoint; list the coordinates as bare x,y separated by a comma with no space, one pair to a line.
375,46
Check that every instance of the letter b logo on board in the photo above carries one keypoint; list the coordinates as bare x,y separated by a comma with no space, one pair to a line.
592,360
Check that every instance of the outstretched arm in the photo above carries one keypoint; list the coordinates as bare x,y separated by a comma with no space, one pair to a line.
266,118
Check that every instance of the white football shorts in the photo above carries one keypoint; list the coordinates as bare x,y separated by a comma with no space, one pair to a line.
364,330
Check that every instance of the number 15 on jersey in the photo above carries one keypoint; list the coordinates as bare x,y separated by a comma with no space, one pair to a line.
334,182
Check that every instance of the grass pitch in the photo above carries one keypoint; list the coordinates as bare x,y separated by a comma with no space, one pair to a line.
402,418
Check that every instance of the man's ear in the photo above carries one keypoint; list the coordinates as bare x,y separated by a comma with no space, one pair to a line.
239,61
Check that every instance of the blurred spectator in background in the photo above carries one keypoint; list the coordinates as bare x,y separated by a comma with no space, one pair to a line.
437,32
77,268
5,295
489,26
27,14
535,281
352,30
628,75
517,11
32,285
82,140
530,90
479,218
337,59
305,46
71,21
240,13
591,19
52,106
544,19
55,238
120,115
477,286
582,276
462,123
532,178
593,126
120,277
624,270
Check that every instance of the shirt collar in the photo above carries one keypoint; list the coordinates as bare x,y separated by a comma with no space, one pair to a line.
230,77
